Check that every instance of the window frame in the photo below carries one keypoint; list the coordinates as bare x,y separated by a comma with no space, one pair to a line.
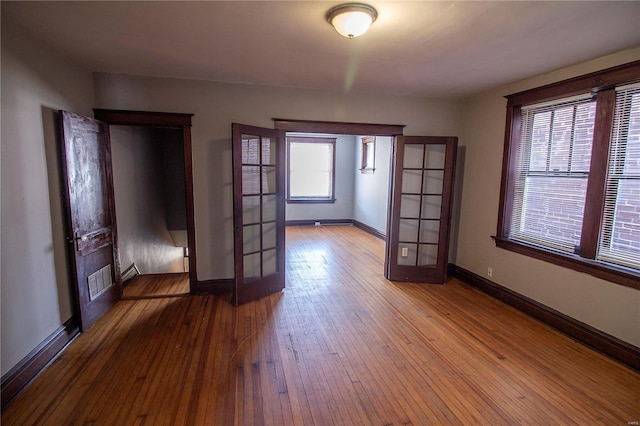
311,200
368,145
601,85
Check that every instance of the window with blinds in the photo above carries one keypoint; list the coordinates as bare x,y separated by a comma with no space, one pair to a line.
551,173
570,190
620,233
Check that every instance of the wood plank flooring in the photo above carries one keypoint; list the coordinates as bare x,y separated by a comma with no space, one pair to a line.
340,346
157,285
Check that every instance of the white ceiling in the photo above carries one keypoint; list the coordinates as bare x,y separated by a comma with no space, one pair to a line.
415,48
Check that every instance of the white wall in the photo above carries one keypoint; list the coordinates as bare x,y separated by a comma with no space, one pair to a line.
35,289
371,193
215,106
609,307
138,177
343,206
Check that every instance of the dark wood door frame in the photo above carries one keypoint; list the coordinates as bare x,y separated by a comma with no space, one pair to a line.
178,121
338,128
360,129
344,128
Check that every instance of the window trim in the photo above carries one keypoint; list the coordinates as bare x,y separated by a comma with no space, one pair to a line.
602,85
311,200
368,143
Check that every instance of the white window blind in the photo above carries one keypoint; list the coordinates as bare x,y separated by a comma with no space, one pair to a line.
310,170
620,232
551,173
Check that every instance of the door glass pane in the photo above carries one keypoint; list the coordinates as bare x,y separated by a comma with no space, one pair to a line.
251,238
411,181
250,180
268,151
408,230
251,209
410,206
268,179
435,156
429,231
433,180
413,154
410,258
269,236
269,207
270,262
250,149
428,255
431,206
251,266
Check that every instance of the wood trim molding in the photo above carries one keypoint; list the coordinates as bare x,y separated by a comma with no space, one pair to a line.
369,230
312,222
584,333
337,127
597,183
619,275
142,118
218,286
592,82
17,379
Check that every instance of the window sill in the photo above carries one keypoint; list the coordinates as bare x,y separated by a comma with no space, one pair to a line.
311,201
617,274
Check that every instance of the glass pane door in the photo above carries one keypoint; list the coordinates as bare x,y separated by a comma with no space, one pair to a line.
258,211
419,221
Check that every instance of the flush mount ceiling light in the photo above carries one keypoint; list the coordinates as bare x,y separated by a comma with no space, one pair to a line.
351,19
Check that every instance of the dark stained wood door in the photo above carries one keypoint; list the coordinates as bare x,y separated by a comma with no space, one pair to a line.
258,211
92,234
418,227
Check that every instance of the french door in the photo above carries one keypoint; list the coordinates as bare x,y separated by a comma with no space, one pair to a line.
420,211
258,211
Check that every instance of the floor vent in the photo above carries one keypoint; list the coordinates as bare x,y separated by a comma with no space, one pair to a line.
99,282
130,273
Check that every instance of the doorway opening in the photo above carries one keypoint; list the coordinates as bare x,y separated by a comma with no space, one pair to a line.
419,197
148,174
372,180
357,177
154,199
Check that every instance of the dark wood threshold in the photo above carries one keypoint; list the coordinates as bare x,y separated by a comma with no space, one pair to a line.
37,360
602,342
351,222
218,286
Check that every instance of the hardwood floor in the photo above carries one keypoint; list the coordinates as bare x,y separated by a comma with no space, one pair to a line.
157,285
340,345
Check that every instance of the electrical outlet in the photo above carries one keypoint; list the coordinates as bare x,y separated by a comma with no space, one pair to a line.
317,224
405,252
490,272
